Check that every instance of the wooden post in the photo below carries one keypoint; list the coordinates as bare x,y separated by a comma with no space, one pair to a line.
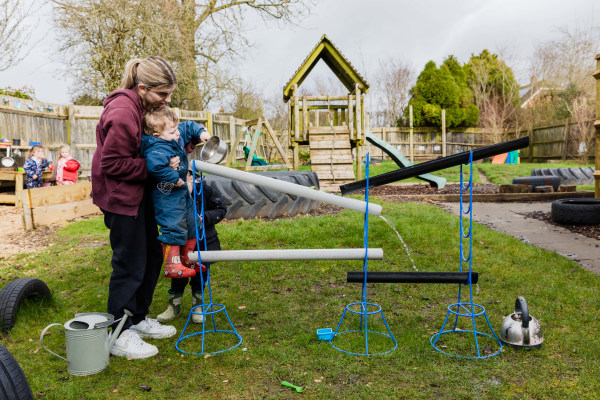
19,189
565,140
358,161
304,119
232,134
209,122
70,122
443,133
530,144
351,116
317,122
296,155
295,99
410,134
358,111
597,126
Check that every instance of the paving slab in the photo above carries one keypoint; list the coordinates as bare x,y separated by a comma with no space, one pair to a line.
509,218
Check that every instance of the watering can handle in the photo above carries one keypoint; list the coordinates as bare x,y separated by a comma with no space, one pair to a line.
42,341
521,307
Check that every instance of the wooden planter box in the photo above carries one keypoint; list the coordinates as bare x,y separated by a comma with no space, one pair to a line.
53,204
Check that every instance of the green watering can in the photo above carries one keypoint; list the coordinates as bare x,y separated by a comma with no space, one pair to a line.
88,341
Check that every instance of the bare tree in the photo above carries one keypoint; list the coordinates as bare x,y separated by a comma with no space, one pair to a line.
582,110
195,36
568,59
14,32
100,36
393,84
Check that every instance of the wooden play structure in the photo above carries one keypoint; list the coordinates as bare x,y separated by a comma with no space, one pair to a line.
254,130
332,126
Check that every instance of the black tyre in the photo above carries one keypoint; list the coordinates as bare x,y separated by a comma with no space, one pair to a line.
568,176
576,211
13,384
535,181
15,293
245,200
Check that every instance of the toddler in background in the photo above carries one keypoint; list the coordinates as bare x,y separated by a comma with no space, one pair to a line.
34,165
66,167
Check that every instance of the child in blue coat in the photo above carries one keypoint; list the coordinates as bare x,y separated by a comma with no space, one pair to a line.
34,166
163,139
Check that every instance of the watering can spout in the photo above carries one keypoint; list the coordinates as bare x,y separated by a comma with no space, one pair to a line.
115,334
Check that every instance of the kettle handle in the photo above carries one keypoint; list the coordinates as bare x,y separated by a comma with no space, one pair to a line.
521,307
42,341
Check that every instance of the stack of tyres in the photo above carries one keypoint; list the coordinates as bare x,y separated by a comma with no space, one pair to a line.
535,181
568,176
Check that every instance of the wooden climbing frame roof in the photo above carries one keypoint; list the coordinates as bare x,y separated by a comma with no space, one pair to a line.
325,50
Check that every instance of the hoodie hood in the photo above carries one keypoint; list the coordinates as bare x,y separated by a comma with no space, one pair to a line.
130,93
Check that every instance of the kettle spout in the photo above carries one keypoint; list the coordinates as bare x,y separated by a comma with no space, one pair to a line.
115,333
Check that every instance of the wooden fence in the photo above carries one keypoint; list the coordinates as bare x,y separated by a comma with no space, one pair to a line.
56,124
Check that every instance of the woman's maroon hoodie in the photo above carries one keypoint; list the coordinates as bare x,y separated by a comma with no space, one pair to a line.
118,171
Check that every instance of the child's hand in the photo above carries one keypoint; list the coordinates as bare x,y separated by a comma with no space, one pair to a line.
174,163
190,183
204,136
179,183
34,177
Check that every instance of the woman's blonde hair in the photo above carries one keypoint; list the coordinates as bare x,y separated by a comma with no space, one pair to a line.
156,119
64,146
152,72
33,149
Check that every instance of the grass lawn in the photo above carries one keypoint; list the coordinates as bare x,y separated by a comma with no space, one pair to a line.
278,306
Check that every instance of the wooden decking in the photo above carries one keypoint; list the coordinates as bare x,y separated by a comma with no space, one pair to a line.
331,156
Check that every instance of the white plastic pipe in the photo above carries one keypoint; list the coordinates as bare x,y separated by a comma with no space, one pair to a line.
287,187
287,255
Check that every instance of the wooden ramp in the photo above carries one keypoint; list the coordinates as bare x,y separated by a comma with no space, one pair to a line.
331,156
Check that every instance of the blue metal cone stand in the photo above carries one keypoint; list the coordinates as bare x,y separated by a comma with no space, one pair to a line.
207,310
364,309
468,310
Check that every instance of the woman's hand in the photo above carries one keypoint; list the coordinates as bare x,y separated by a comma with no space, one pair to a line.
179,183
174,163
34,177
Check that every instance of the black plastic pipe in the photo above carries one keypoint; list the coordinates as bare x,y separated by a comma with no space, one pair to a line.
412,277
436,165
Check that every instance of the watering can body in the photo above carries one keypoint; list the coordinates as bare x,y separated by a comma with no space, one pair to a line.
88,342
521,330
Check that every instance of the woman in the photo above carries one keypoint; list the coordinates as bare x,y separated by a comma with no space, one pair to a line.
119,179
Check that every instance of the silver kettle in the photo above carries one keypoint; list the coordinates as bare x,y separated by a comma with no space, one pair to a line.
520,330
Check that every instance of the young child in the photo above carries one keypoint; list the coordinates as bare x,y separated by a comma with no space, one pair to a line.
66,167
214,211
34,165
163,139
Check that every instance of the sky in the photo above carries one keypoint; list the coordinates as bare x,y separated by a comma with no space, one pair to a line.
365,31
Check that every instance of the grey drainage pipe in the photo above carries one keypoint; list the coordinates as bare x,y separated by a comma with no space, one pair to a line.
287,255
287,187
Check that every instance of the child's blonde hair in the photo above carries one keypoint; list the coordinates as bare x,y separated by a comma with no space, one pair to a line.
61,148
33,149
156,119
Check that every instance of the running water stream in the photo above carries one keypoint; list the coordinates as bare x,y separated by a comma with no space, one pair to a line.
401,240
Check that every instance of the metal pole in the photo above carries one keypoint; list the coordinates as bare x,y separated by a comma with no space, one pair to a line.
287,187
286,255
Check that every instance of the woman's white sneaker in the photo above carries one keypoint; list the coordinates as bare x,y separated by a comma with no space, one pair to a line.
152,329
130,345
